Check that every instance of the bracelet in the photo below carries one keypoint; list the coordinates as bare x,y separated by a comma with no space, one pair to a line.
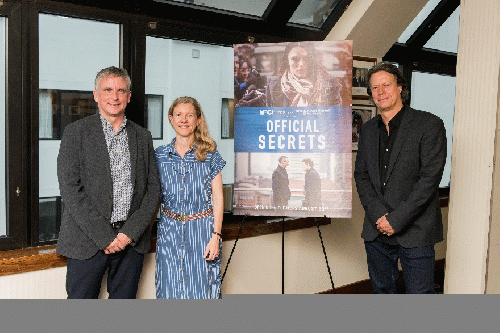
217,233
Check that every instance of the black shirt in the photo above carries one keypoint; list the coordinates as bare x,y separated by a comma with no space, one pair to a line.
386,143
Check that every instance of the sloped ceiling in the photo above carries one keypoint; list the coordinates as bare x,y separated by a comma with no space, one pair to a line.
375,25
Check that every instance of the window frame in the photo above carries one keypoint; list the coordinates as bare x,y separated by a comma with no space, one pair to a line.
16,140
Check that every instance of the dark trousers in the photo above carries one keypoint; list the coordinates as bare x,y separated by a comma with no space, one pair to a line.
84,277
417,265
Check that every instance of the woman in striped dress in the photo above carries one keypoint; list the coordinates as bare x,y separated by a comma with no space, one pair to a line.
189,232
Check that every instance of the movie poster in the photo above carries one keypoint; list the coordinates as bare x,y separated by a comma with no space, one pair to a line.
293,129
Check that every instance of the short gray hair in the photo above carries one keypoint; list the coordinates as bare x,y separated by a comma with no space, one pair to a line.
113,71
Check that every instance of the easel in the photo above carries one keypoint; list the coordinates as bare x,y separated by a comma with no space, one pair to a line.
283,251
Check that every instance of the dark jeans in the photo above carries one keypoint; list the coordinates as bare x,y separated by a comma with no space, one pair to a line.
84,277
417,264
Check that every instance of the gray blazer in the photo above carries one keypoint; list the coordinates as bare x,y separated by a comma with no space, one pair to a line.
413,176
83,170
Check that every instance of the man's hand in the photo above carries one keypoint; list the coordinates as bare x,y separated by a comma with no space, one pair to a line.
384,227
118,244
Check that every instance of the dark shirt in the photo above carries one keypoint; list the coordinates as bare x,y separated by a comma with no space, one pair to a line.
386,143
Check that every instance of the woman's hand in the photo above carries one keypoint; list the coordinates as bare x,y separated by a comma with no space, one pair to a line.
212,249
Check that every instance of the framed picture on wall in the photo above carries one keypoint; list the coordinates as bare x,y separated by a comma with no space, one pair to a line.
360,115
360,66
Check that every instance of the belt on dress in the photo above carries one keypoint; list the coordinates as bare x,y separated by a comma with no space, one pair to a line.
179,217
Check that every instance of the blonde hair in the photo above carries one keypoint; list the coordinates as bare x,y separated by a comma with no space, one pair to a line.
204,142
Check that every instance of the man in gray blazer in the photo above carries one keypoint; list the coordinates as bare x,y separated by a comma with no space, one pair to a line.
109,184
399,164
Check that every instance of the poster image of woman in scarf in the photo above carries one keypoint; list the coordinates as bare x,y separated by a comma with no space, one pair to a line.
302,80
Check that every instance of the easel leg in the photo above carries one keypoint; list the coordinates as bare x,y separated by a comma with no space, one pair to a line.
234,246
283,256
324,252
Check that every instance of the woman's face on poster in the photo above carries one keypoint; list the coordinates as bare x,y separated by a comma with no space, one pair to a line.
298,60
236,65
244,71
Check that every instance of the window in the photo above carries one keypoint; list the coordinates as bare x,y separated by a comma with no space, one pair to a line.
157,84
313,13
228,22
255,7
59,108
436,94
71,52
446,37
418,20
154,115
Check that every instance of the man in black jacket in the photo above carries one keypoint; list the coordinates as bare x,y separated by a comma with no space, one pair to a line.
281,190
312,185
399,164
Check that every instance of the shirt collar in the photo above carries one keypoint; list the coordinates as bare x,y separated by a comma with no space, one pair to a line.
170,148
106,123
395,121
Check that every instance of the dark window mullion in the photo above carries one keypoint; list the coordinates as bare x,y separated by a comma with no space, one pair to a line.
423,60
31,88
432,23
335,15
279,12
133,59
16,130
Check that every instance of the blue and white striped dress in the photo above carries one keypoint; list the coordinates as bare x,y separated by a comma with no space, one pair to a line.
181,270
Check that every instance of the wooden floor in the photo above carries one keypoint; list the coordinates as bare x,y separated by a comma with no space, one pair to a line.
365,287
